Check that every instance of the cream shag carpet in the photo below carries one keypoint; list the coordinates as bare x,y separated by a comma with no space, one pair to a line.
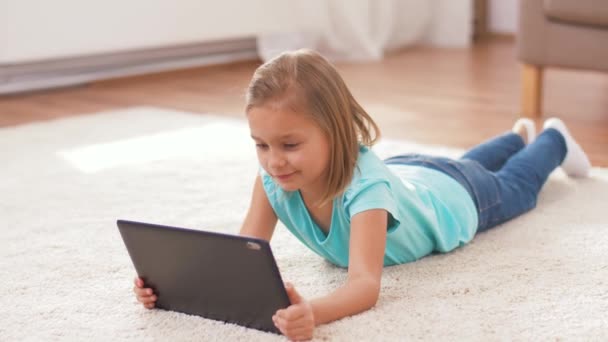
65,273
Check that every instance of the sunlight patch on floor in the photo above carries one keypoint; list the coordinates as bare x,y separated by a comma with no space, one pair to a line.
216,140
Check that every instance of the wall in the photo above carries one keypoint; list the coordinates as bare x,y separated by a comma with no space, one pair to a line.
451,23
503,16
34,30
45,44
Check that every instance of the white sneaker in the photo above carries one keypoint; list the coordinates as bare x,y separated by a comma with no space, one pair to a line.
576,163
530,127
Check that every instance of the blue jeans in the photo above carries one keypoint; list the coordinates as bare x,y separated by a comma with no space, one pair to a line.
503,175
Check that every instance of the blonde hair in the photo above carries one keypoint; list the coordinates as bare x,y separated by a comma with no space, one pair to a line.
305,82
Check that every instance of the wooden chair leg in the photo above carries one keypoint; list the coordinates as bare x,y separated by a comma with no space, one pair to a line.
532,88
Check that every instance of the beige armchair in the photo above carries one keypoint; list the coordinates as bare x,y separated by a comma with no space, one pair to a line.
559,33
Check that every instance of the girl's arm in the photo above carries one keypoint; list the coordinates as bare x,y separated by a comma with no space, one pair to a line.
261,219
366,260
359,293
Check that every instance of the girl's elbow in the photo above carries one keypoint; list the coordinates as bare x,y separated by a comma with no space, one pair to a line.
368,292
373,292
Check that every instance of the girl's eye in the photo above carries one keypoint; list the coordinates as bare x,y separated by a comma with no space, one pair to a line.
290,146
261,146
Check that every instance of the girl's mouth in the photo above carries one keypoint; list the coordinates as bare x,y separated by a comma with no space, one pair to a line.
284,177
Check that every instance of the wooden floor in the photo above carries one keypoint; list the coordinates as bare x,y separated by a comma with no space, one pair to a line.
455,97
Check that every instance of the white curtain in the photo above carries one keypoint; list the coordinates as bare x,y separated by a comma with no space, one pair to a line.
351,29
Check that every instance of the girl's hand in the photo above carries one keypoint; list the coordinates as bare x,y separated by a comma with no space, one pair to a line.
144,295
297,322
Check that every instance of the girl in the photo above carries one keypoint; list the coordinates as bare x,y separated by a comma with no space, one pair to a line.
319,177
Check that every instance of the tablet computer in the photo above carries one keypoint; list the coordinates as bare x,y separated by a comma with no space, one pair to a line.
223,277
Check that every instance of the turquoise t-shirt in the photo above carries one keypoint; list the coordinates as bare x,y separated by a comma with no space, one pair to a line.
428,211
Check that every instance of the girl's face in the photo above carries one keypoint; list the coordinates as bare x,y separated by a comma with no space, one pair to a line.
291,148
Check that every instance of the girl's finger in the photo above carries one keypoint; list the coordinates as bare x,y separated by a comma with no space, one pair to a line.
148,299
293,313
297,331
302,338
287,327
280,321
146,295
139,291
138,282
143,292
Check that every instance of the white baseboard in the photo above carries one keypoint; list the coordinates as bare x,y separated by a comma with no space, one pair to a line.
15,78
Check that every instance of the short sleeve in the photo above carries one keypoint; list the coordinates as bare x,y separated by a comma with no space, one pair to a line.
371,194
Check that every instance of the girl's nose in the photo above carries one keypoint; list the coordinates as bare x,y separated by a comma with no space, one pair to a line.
276,159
